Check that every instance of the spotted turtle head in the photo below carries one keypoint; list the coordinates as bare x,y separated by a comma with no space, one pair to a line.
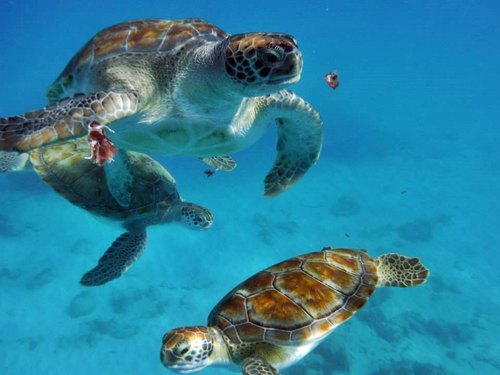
195,216
187,349
263,59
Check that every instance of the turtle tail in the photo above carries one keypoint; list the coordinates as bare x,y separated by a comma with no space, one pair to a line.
401,271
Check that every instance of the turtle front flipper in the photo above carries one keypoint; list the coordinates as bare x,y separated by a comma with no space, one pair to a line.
117,259
119,179
300,137
66,119
11,161
222,162
257,366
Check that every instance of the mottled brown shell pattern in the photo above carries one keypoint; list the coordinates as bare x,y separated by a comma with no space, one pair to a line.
64,167
139,36
298,300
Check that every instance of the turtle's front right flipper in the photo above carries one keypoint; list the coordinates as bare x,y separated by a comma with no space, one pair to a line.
257,366
66,119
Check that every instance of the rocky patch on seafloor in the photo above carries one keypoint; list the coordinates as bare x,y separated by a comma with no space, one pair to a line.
82,304
439,284
410,368
270,229
489,354
30,342
140,302
92,332
112,328
82,247
10,228
324,360
422,230
345,206
9,273
385,328
419,230
42,278
446,333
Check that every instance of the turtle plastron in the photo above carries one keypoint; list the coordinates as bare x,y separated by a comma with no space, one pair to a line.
102,149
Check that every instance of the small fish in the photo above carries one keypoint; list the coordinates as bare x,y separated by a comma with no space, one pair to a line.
209,172
403,191
332,79
347,235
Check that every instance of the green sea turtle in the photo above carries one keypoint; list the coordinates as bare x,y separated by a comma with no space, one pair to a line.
180,87
154,198
279,315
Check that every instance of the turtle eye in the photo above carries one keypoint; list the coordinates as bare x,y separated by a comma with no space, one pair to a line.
273,54
181,349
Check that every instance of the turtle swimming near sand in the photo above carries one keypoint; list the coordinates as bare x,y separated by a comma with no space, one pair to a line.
153,198
180,87
279,315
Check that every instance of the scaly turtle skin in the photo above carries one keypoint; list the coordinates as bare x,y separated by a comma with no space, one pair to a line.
279,315
153,198
180,87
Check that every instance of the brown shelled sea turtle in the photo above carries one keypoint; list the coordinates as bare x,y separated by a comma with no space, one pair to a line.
180,87
152,193
279,315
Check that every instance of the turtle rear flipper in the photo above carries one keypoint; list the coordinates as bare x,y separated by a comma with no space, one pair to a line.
12,161
300,136
222,162
398,270
66,119
257,366
117,259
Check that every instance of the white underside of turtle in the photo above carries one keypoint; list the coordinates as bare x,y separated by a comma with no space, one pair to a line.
181,87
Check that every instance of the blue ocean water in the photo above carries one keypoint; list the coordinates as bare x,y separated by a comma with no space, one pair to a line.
410,164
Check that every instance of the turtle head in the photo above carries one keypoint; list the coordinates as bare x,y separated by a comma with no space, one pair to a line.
188,349
262,63
195,216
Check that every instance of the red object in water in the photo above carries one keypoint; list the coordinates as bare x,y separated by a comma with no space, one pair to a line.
332,79
102,149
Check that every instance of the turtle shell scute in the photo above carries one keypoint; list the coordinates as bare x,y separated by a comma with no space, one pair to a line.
299,300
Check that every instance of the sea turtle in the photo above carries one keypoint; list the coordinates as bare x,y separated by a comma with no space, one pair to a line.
154,198
180,87
279,315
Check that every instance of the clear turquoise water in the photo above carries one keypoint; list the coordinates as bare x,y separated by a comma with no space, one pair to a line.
410,164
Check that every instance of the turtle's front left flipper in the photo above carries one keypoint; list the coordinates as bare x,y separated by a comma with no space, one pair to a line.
300,137
117,259
119,179
257,366
66,119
